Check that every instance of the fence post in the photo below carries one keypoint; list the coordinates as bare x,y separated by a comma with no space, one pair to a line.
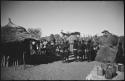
24,60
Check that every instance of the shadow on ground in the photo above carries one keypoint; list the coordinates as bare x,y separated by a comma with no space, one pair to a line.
38,59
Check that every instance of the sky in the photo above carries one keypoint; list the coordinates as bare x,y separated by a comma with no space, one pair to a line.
86,17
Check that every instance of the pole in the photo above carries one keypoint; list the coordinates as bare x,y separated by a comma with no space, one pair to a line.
24,60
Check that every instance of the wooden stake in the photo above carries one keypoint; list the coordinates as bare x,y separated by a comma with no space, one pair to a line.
24,60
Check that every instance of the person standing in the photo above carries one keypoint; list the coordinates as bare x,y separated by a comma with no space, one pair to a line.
108,47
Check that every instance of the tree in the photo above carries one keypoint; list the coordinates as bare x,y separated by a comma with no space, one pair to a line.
35,32
58,38
52,38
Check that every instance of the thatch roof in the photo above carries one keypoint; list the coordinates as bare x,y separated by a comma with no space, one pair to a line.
69,34
12,32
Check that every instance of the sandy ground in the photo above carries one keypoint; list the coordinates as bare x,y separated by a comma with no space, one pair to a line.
52,71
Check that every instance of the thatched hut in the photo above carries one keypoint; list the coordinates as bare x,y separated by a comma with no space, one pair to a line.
12,41
12,32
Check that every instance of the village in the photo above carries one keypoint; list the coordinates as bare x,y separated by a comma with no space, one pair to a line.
62,40
24,50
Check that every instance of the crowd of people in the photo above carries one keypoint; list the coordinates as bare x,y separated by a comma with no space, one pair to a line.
81,50
105,50
108,49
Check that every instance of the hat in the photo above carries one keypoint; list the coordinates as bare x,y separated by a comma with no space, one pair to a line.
105,31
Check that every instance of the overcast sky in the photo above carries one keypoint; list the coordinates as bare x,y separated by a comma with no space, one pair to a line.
88,17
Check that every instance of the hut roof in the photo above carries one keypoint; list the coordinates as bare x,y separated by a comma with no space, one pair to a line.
12,32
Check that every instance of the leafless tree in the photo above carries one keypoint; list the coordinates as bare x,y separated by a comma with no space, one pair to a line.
35,32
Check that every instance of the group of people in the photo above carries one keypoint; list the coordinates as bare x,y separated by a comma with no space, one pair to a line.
82,50
106,49
109,49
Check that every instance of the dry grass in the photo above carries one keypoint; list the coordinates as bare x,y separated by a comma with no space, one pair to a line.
52,71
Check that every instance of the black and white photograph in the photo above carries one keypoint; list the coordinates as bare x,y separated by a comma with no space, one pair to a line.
62,40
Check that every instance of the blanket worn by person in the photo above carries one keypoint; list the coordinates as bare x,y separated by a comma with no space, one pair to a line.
108,48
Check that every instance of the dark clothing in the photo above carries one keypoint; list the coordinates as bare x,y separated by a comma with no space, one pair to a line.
108,41
65,46
75,46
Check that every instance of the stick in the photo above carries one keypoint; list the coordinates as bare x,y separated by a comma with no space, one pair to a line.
23,60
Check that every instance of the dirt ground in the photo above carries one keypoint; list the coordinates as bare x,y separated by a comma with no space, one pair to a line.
51,71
